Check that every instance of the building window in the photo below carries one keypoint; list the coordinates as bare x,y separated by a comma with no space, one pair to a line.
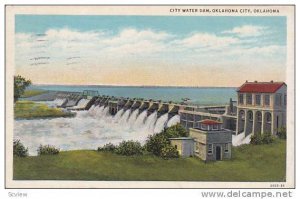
204,126
268,118
250,115
259,116
249,99
278,99
197,147
210,149
241,99
257,99
242,114
267,100
284,99
226,148
215,127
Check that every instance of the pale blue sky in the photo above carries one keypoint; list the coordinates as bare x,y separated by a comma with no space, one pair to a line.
179,25
172,45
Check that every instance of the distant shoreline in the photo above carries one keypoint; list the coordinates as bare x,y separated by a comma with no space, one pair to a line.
131,86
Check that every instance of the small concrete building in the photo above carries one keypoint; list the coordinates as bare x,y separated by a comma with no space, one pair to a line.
184,146
211,140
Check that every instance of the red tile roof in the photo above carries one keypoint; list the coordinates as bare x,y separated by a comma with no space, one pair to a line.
210,122
260,87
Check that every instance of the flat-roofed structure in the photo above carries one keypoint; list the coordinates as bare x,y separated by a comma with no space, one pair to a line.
211,140
184,146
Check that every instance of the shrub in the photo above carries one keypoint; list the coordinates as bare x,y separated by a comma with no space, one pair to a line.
281,133
256,139
267,138
19,149
107,147
47,150
169,152
176,131
129,148
159,144
155,143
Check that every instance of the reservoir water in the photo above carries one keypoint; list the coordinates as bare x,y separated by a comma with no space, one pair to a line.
197,95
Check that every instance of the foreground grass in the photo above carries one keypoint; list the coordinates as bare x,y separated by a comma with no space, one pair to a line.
31,93
31,110
249,163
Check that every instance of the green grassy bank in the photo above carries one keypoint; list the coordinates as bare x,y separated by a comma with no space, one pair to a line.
31,93
249,163
31,110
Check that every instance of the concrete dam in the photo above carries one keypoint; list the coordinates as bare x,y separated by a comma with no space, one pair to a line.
102,119
154,114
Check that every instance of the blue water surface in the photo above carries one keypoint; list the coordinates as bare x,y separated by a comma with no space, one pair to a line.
197,95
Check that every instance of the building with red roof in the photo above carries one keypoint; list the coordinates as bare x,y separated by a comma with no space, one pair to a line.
261,107
260,87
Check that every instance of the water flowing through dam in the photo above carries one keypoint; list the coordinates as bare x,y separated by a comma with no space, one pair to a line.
91,129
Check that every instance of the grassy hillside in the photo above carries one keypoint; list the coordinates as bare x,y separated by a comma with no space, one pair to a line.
31,93
30,110
249,163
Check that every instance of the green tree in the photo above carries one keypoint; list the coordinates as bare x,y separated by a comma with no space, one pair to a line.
169,152
47,150
268,138
176,131
159,144
256,139
107,147
282,132
129,148
155,143
19,149
20,84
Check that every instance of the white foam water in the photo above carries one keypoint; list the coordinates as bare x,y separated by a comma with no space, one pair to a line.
124,117
161,123
133,117
118,115
150,122
139,122
173,121
88,129
240,139
82,103
59,101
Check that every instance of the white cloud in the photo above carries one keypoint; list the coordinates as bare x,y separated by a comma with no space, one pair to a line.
206,40
131,35
247,31
72,35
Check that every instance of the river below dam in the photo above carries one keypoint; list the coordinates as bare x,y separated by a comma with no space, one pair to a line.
90,129
93,128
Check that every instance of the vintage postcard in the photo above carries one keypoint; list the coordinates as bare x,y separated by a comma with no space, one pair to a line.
150,96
